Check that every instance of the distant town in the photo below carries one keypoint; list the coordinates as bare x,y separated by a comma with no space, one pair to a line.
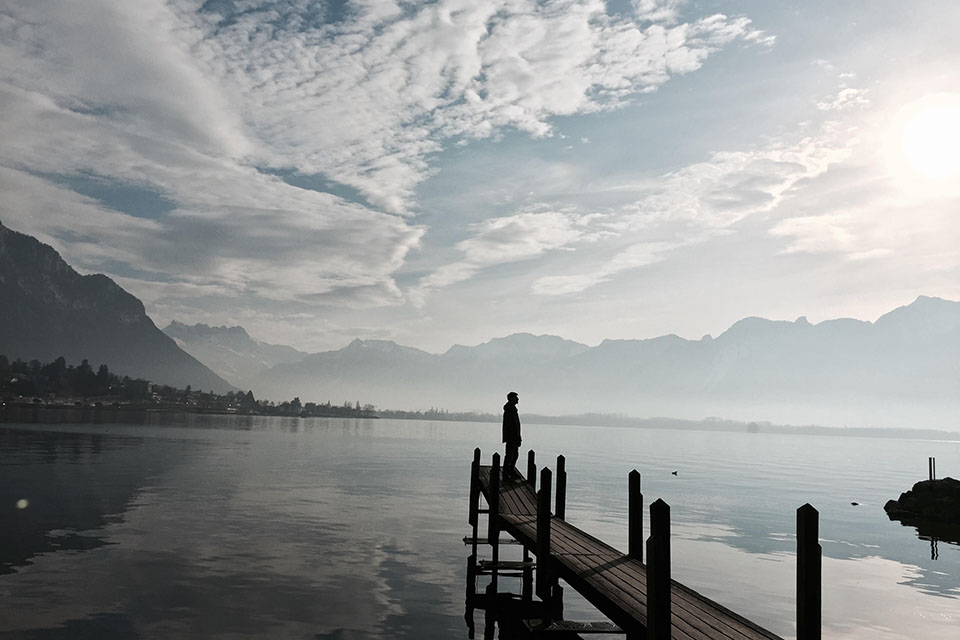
58,384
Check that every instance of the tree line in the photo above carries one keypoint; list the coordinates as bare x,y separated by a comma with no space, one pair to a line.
80,384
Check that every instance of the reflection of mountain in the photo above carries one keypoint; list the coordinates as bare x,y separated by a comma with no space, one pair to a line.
230,351
50,310
63,510
902,370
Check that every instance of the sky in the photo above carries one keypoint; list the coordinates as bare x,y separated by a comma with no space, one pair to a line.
449,172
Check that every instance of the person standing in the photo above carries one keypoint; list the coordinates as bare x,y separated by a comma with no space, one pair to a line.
511,434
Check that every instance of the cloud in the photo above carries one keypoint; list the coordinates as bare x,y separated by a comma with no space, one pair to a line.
519,236
400,84
665,11
684,207
632,257
847,98
698,202
524,235
205,104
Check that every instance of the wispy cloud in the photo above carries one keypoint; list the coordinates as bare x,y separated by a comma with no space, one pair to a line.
524,235
400,83
695,203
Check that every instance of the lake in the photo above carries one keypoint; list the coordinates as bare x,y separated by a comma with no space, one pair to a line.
252,527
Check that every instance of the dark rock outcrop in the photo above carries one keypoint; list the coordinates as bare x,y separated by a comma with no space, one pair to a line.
932,506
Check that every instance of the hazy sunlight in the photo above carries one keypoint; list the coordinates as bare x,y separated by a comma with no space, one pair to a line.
930,137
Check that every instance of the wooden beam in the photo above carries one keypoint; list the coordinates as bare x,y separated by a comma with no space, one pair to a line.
808,573
658,572
635,517
532,469
474,489
493,524
544,581
561,500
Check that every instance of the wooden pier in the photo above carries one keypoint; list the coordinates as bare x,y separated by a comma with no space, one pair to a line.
638,598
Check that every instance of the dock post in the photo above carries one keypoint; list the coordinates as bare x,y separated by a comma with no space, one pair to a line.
556,603
808,573
532,469
471,580
932,467
526,580
635,517
561,500
544,581
493,527
658,572
474,517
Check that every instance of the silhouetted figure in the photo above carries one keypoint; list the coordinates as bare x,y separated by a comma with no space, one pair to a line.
511,434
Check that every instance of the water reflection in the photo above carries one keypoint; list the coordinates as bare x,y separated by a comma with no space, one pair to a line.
217,532
233,526
47,490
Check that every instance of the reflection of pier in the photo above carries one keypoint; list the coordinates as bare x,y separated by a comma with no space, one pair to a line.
638,598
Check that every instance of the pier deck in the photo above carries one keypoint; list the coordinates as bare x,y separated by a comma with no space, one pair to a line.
615,583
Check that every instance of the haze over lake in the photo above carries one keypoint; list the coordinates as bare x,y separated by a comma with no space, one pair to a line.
227,527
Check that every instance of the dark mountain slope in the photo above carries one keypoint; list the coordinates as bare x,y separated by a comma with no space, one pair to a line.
47,310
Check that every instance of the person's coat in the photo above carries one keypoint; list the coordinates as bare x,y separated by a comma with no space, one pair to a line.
511,424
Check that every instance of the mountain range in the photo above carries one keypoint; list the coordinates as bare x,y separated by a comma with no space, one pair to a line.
48,310
230,351
901,370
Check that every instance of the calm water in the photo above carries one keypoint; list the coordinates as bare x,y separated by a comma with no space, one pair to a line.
234,527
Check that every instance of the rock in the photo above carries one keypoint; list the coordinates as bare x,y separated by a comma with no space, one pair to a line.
928,501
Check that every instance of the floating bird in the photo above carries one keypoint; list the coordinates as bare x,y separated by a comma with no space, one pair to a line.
673,473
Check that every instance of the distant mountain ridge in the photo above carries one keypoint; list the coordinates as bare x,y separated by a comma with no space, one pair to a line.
230,351
901,370
49,310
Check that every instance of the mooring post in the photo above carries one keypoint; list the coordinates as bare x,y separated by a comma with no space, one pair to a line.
561,501
532,469
471,579
808,573
544,581
493,526
474,518
932,467
490,615
658,572
635,517
556,604
526,591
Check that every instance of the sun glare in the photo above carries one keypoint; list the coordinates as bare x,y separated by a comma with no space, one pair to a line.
930,137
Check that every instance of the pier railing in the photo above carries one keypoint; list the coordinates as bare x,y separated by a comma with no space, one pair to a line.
639,599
